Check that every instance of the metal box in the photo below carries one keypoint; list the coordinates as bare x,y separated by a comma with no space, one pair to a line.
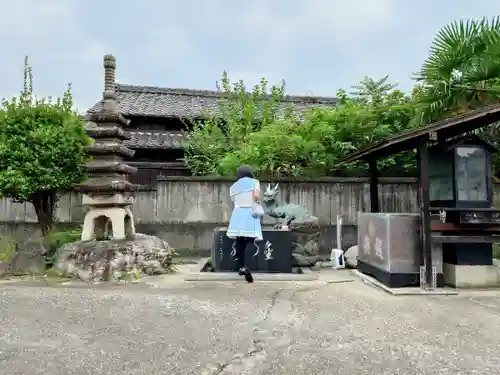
389,248
273,254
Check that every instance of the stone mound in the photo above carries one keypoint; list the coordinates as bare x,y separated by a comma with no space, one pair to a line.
351,256
115,259
305,252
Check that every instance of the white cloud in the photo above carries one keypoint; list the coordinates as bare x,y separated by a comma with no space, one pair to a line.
50,33
90,51
36,19
318,44
168,42
321,18
340,19
279,30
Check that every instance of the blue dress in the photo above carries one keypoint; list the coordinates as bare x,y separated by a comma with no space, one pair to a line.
242,222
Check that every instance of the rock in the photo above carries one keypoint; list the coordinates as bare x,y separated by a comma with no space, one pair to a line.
351,257
4,268
306,242
29,258
309,222
152,268
115,259
300,260
208,267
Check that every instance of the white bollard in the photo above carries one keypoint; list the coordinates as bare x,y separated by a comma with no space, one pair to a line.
339,232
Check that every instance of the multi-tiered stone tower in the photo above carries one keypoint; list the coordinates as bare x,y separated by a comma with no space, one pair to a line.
107,190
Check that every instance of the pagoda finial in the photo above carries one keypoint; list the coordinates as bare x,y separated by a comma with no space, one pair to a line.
109,94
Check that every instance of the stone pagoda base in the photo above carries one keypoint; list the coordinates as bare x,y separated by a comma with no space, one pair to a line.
109,218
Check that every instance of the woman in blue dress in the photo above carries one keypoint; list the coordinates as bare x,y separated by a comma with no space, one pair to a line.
244,225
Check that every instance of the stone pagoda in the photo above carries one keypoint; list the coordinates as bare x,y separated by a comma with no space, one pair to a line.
107,190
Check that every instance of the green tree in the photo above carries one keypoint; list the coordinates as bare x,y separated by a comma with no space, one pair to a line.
282,148
373,91
462,71
41,147
256,129
374,112
227,127
324,135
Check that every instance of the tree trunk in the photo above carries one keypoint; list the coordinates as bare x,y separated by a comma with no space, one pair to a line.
44,202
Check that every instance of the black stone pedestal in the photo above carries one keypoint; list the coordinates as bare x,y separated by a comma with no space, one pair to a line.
396,280
468,254
273,254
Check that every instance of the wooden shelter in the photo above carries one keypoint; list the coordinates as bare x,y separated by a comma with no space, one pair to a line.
425,140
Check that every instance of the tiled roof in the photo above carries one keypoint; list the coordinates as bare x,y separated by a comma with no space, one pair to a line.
158,139
155,139
165,102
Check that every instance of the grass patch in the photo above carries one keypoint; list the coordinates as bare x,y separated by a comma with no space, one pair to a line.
54,276
7,248
192,253
496,251
56,239
183,260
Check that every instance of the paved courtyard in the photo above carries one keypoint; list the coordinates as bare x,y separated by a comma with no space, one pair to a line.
174,327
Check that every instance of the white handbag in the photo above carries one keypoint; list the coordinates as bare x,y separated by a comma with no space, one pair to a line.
257,210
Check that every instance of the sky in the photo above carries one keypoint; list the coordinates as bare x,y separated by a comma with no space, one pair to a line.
316,46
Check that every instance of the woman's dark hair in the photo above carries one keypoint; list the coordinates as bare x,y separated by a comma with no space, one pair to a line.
244,171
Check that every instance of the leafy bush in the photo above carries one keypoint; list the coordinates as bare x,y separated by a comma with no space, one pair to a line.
55,239
258,129
212,145
496,251
7,248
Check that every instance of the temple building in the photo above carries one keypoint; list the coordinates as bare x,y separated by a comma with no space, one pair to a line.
157,118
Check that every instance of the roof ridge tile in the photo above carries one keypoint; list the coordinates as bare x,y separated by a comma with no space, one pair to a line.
148,101
125,88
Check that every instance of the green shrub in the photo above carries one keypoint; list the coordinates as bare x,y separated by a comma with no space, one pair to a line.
7,248
55,239
496,251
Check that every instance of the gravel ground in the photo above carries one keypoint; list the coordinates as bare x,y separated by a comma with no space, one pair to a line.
236,328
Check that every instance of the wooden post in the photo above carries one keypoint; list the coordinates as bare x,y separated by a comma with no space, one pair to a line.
425,224
374,202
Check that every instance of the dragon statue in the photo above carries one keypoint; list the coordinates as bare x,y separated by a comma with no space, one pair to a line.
295,218
290,214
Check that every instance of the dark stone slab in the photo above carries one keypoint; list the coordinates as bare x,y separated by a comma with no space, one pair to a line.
396,280
273,254
29,258
4,268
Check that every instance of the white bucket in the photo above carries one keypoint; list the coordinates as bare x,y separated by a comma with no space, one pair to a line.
337,259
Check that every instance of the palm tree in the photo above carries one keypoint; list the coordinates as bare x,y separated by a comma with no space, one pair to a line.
372,91
462,71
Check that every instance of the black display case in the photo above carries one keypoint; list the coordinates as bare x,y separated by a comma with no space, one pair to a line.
273,254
